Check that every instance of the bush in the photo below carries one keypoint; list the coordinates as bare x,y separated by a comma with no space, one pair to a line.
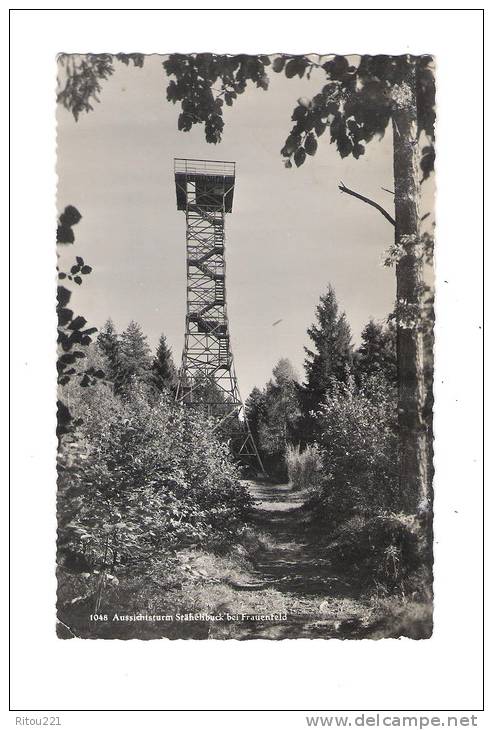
140,479
385,551
359,448
304,467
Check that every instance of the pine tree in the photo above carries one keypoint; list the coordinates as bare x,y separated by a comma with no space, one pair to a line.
163,375
332,354
135,360
377,352
109,346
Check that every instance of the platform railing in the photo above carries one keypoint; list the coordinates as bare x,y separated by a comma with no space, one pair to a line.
204,167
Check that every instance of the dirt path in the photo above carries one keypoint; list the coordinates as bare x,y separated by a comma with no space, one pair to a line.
294,560
294,574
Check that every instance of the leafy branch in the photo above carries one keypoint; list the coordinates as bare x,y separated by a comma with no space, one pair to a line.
73,335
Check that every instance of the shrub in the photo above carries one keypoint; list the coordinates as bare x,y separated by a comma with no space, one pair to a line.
142,479
384,550
304,467
358,448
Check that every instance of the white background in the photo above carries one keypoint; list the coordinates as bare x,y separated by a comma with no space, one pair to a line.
444,673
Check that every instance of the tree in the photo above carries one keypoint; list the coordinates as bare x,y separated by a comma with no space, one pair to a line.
284,373
356,105
357,444
109,346
282,406
255,409
163,375
377,352
135,360
81,75
273,414
331,358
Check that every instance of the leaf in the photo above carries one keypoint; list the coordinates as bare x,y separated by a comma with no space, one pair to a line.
291,68
62,275
77,280
358,150
299,113
64,340
64,316
68,359
64,234
63,295
278,64
427,163
301,64
299,157
79,260
70,216
291,146
63,414
76,337
311,144
86,269
344,146
78,323
75,269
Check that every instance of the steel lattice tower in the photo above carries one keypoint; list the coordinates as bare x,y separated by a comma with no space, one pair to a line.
204,191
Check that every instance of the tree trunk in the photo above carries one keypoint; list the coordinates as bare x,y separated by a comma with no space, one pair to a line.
413,475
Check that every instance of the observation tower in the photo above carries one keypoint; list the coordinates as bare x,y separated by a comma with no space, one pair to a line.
207,378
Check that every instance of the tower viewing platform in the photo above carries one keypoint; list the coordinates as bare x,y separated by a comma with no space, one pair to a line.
209,184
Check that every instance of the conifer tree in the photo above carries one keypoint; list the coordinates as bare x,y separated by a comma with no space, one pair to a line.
331,357
109,346
377,352
135,360
163,375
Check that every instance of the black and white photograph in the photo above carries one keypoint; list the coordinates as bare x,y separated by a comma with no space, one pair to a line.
245,346
246,331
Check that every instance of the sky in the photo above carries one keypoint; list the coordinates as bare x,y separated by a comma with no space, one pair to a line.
290,234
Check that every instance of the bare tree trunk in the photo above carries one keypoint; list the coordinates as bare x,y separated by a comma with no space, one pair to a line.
413,478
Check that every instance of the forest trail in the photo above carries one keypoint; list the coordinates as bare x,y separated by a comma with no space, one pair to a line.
285,581
293,559
293,575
